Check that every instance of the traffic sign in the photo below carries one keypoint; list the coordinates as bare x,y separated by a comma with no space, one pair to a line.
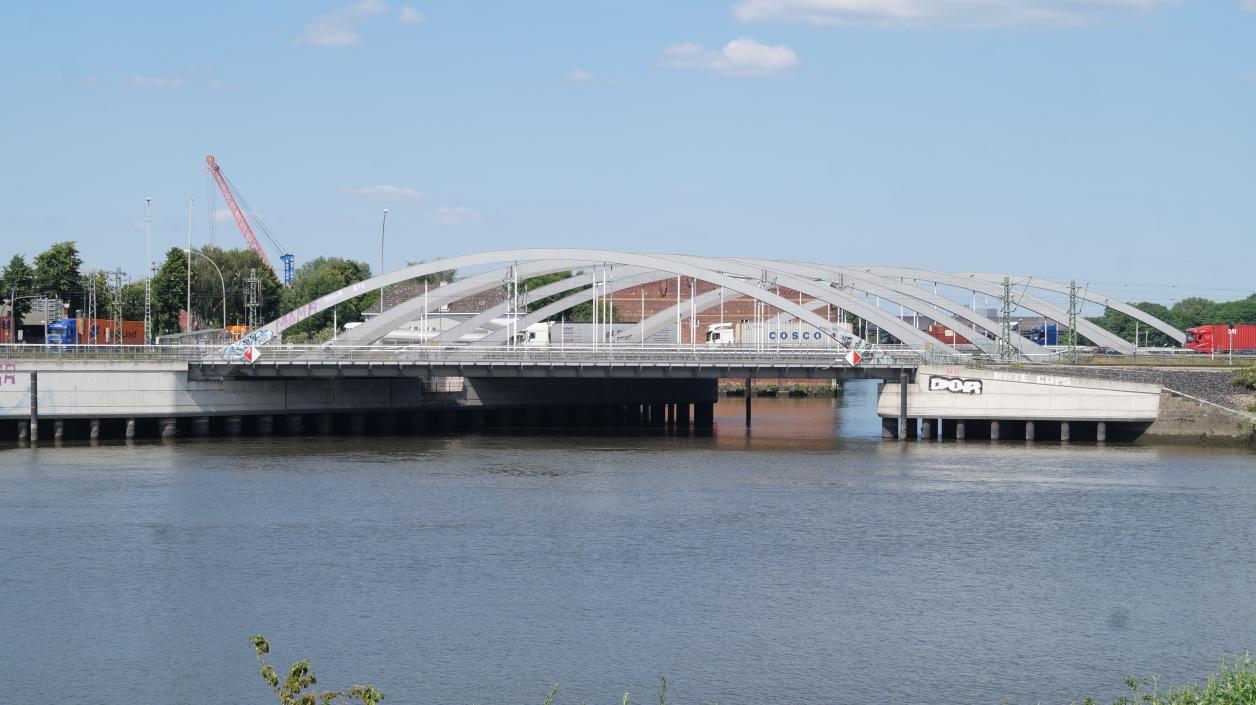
251,354
853,358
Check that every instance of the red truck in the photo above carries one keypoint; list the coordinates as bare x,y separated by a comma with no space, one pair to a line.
1218,339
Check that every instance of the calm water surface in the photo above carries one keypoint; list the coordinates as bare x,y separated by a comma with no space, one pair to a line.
808,563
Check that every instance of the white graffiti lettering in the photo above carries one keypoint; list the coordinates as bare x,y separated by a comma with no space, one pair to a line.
955,385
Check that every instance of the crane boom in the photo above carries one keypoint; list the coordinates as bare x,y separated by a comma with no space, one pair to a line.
240,220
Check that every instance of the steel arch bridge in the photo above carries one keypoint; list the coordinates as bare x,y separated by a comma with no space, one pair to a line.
846,288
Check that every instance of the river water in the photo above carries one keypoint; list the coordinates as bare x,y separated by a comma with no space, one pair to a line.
809,562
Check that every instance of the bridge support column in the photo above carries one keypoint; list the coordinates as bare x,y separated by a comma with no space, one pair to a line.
657,415
357,423
926,429
994,430
682,416
961,430
58,430
1064,431
890,428
200,426
265,425
325,424
1101,431
902,404
749,394
129,434
418,421
23,431
233,425
168,428
93,430
704,417
1029,430
34,407
293,424
388,423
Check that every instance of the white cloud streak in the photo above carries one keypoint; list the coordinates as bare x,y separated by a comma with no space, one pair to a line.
387,192
941,13
409,15
156,82
740,57
582,76
455,215
339,27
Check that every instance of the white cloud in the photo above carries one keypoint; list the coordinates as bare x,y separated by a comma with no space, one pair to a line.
339,27
157,82
455,215
387,192
944,13
585,77
409,15
740,57
223,214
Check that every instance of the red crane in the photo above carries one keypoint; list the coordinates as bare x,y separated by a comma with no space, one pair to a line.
243,222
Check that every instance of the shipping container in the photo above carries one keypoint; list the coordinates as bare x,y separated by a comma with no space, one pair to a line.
94,331
1045,335
1218,339
786,334
946,335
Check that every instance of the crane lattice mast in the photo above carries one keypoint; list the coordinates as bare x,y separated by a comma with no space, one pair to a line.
245,229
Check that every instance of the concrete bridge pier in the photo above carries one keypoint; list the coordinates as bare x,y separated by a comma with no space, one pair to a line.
23,431
994,430
325,424
357,423
233,425
293,424
265,425
58,430
1029,430
168,428
1101,431
93,430
682,417
657,416
961,430
1064,431
703,417
926,429
749,393
200,426
129,433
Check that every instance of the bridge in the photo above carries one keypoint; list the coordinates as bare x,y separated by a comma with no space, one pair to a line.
622,377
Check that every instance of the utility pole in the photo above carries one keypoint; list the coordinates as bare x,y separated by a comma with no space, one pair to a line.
187,311
116,314
251,302
1072,319
1005,338
148,264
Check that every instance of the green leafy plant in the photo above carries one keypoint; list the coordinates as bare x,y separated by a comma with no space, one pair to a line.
291,690
1246,378
1234,684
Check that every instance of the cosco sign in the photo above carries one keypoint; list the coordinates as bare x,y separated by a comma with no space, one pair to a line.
785,336
955,385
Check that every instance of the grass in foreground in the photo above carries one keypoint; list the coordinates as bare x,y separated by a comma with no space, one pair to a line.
1234,684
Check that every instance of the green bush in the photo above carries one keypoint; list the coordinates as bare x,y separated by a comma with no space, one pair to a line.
1246,379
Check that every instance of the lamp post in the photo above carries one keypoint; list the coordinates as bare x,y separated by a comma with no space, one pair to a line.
382,226
187,324
1231,330
221,281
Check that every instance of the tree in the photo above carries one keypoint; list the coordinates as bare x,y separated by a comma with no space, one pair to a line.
18,278
319,277
290,690
57,273
1192,311
1125,326
169,292
236,266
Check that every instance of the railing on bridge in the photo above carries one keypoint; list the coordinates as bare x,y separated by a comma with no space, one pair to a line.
882,356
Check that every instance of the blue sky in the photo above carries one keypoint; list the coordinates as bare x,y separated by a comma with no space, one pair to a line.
1109,140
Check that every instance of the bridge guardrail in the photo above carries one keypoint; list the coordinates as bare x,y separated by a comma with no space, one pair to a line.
895,356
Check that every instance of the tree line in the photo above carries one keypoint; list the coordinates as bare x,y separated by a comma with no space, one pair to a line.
1190,312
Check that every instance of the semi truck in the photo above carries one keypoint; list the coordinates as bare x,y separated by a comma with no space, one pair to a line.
94,331
786,334
1045,335
1239,338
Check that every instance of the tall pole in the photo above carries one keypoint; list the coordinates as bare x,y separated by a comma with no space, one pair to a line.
187,328
222,281
148,265
382,226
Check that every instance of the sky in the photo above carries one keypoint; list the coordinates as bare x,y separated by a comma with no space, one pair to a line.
1110,141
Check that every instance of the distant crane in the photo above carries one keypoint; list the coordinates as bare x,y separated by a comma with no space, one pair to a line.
230,194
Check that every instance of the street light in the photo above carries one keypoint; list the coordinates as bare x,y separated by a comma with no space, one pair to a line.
383,224
221,281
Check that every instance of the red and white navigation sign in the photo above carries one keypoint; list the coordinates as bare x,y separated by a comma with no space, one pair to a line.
251,354
853,358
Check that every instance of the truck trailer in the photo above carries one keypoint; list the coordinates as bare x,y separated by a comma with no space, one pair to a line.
1239,338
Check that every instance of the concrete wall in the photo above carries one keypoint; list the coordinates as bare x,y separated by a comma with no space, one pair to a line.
1006,395
1184,418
